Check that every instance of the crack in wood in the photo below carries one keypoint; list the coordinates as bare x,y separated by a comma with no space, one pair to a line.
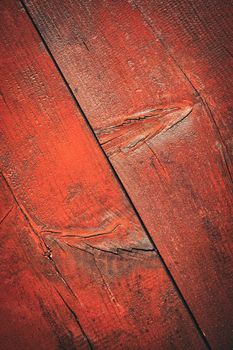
76,319
70,234
6,215
58,237
117,251
135,130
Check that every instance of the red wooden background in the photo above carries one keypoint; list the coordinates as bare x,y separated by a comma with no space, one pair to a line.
116,174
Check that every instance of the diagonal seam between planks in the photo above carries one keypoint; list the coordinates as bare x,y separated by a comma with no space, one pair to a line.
178,291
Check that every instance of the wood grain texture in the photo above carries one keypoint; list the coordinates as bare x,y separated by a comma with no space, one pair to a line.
77,269
33,316
167,139
198,36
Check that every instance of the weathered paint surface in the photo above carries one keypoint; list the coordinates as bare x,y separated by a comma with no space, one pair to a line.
77,269
154,80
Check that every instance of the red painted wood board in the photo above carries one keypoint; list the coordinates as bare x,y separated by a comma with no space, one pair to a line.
33,315
78,270
198,36
167,138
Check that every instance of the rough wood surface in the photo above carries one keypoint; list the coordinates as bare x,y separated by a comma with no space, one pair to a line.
159,102
33,315
77,269
198,36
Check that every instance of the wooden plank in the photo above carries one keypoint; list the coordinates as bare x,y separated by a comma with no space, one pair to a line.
33,316
198,35
161,138
88,275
